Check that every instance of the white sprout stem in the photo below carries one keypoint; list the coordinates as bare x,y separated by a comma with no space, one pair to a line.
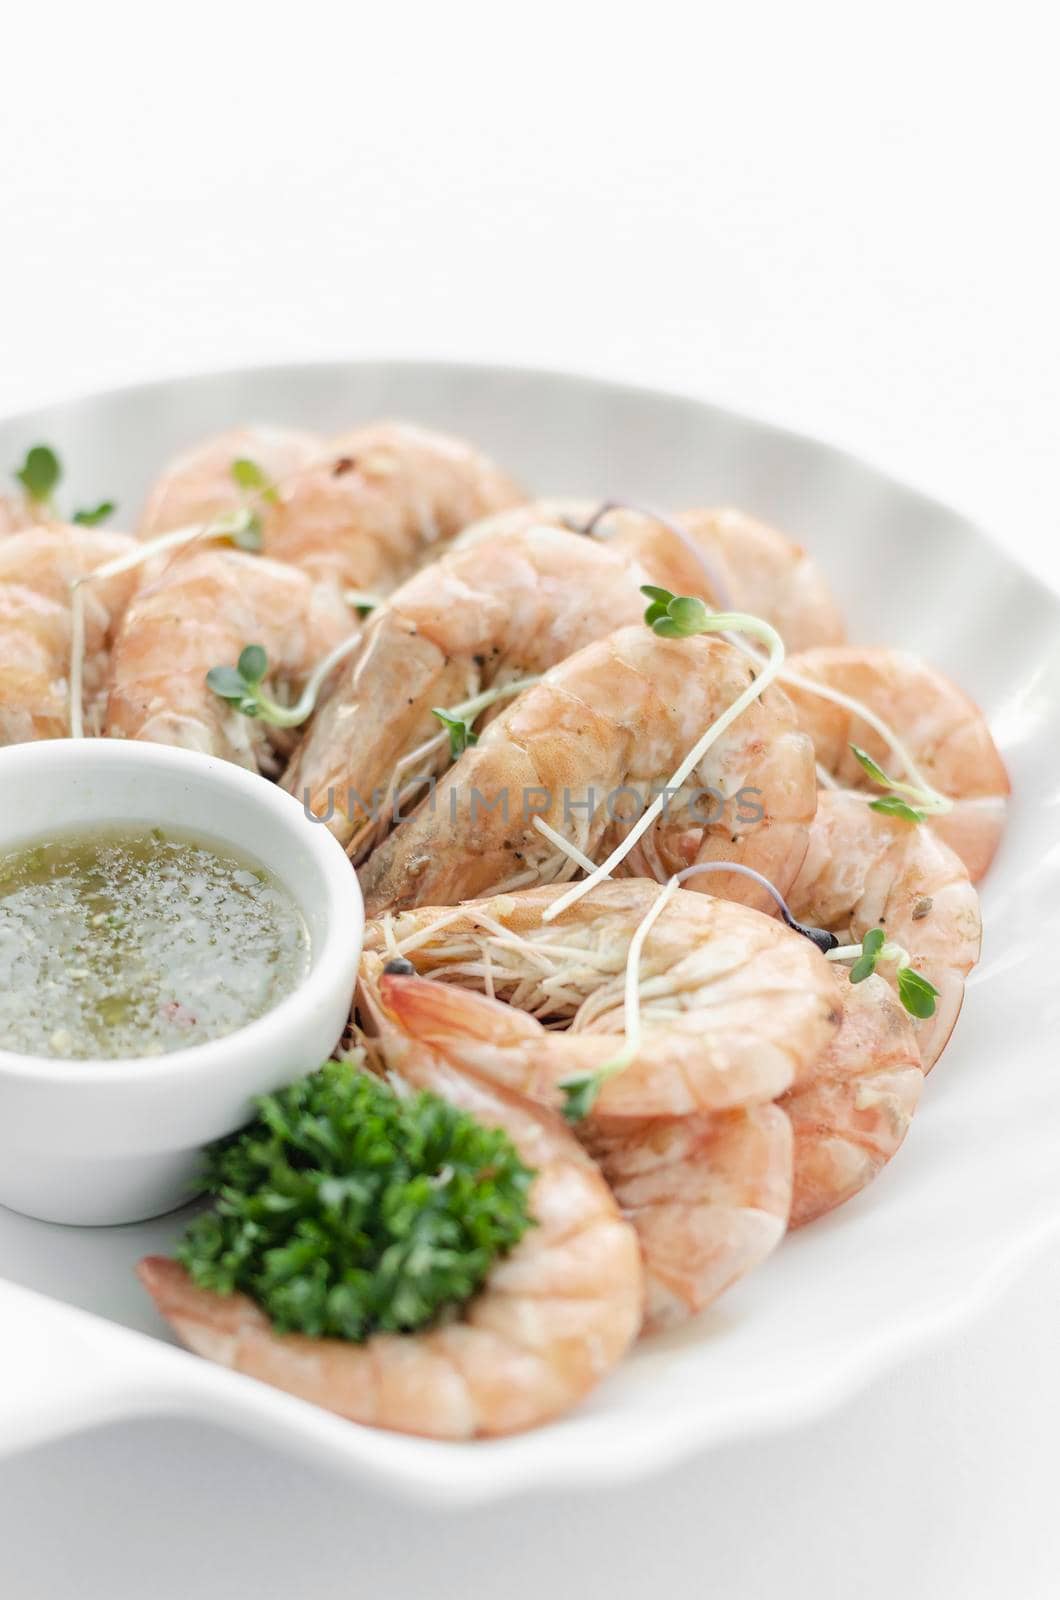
413,941
226,527
421,753
632,985
565,845
361,597
718,622
824,777
920,787
895,953
887,952
291,716
743,872
468,710
77,661
636,948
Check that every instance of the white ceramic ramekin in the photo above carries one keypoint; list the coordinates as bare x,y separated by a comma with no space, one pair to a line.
116,1141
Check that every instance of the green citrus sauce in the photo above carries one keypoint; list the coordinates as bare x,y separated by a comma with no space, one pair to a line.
134,942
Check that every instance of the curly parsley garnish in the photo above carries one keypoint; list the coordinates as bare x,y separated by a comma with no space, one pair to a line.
346,1209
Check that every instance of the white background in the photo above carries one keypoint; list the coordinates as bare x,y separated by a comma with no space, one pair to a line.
840,218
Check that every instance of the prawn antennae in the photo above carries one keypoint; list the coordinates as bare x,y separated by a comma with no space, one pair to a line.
825,941
719,589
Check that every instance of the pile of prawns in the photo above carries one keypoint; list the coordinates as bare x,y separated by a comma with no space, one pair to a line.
699,1027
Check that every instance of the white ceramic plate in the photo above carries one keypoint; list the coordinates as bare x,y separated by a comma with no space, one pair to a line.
975,1190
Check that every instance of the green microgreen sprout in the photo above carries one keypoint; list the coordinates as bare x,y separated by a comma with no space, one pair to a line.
429,749
461,734
363,602
39,474
241,686
917,993
254,480
928,802
346,1209
927,798
676,616
679,617
892,805
580,1094
459,720
871,946
92,516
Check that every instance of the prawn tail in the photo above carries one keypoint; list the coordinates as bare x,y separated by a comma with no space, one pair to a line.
208,1324
845,1133
727,1243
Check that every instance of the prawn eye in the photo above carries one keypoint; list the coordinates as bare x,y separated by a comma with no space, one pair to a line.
821,937
401,968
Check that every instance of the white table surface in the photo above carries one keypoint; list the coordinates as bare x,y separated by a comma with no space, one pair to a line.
839,219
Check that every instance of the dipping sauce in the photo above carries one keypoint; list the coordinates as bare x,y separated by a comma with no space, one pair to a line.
129,941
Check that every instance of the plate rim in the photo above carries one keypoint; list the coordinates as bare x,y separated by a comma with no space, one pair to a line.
584,377
430,1472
